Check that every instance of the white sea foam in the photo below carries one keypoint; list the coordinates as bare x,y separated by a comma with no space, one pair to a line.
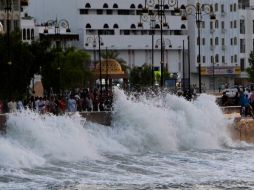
140,124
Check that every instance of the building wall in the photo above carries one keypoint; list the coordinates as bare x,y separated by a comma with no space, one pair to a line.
134,44
13,15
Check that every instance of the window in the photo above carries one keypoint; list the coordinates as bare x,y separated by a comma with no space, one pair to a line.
88,25
235,40
223,41
99,12
222,8
204,59
211,25
216,24
212,59
235,58
140,6
24,34
242,64
235,23
28,33
235,7
166,7
115,6
242,27
216,7
132,6
105,5
231,8
88,6
231,24
109,12
133,26
242,46
223,59
232,59
222,25
115,26
83,11
216,41
211,41
105,26
32,34
231,41
217,58
183,26
253,26
203,41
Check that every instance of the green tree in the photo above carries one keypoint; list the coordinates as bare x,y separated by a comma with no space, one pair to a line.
15,65
141,76
250,70
69,69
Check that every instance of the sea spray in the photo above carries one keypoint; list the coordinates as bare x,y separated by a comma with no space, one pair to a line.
141,123
49,137
167,122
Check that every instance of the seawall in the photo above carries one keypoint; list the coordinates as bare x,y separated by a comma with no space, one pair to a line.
103,118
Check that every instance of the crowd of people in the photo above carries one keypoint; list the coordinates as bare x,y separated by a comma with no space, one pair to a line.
71,101
243,98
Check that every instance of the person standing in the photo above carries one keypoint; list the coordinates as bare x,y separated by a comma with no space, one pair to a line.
72,104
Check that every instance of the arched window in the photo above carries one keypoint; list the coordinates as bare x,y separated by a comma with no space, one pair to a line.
88,5
133,26
115,26
105,26
115,6
217,58
157,26
216,7
28,34
88,25
183,26
157,6
140,6
105,6
216,41
32,34
166,7
24,34
132,6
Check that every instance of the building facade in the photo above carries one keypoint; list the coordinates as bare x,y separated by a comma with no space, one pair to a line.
9,15
117,23
225,43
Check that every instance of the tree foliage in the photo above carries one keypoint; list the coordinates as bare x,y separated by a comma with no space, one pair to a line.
20,61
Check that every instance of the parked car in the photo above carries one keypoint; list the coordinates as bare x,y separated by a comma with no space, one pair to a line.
231,92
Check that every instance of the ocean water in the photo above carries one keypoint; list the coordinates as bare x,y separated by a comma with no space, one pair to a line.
155,142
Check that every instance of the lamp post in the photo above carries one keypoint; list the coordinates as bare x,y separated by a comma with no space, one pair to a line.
198,10
8,9
94,40
156,10
57,25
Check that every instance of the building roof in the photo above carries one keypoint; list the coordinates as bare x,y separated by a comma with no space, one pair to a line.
109,68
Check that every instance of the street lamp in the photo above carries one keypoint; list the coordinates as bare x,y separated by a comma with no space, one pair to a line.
57,25
94,40
152,20
198,10
156,10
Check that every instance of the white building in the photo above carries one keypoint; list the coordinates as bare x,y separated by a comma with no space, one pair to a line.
117,24
225,42
246,37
